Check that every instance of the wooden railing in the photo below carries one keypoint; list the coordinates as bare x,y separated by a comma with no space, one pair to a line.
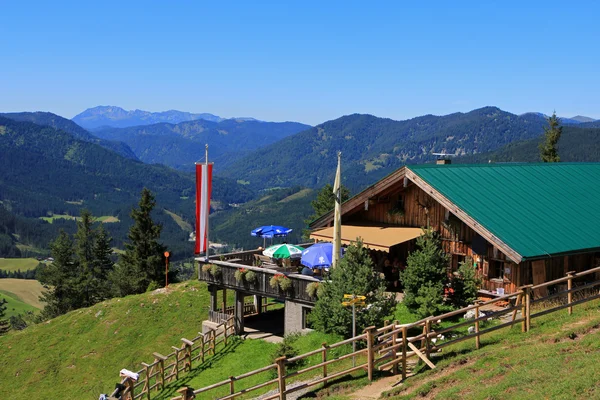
390,346
243,257
165,369
249,308
261,286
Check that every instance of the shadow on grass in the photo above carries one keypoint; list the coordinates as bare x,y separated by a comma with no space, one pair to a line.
186,377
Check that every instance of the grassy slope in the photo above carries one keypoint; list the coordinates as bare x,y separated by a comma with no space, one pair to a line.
14,264
556,359
15,305
27,290
83,351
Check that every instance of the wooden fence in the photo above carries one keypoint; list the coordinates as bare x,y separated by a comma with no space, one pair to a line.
165,369
390,346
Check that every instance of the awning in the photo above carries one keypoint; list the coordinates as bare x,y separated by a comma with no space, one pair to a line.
373,237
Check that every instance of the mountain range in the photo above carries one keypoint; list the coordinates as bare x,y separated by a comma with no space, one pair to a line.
180,145
111,116
372,147
48,172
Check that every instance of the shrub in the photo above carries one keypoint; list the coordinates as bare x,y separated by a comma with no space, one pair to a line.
274,281
465,284
353,275
240,274
152,286
250,276
312,288
288,350
285,284
215,271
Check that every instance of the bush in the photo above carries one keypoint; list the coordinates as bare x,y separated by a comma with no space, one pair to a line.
285,284
250,276
215,270
152,286
465,284
312,289
288,350
354,274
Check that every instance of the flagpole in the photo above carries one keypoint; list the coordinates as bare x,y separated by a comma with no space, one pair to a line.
207,211
337,222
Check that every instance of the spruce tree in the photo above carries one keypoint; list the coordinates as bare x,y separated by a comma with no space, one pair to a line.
62,277
4,324
103,264
552,133
354,274
425,276
84,250
324,203
142,264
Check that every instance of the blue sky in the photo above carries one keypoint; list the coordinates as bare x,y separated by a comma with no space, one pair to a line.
302,61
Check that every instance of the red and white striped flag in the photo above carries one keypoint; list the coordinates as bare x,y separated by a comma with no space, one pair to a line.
203,189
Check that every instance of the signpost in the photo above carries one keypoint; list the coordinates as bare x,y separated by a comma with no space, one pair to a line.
354,300
167,254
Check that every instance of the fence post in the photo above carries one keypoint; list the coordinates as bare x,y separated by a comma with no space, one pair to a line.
231,385
569,294
281,376
202,346
427,331
129,386
188,353
394,343
177,350
324,359
404,345
527,307
477,340
370,352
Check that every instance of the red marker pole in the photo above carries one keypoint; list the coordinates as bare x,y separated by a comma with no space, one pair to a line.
167,254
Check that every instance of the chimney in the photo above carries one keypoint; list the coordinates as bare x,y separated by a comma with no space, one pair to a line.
443,161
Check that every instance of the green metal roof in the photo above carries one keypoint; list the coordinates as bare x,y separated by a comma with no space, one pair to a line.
536,209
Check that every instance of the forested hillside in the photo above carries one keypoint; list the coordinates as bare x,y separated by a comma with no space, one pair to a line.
58,122
47,172
179,146
372,147
577,144
287,207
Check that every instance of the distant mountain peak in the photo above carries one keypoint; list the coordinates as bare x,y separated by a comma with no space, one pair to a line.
582,118
117,117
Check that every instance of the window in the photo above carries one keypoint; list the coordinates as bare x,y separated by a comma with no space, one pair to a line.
496,269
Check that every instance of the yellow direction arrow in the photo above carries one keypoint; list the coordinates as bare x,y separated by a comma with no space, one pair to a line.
354,296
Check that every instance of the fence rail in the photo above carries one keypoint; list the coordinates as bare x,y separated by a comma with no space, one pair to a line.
167,368
390,346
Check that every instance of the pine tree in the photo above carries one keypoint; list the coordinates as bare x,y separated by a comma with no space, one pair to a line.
425,276
61,276
354,274
142,263
552,133
4,324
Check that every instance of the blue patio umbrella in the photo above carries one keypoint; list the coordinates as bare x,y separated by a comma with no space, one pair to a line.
318,255
270,231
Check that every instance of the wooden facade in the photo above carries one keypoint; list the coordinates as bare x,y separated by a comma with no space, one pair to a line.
377,204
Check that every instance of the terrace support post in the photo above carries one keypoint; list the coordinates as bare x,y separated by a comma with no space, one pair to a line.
224,301
324,359
258,304
570,294
404,346
370,331
238,312
477,338
281,376
395,342
213,297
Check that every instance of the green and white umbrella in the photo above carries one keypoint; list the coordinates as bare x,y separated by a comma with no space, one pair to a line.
283,251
